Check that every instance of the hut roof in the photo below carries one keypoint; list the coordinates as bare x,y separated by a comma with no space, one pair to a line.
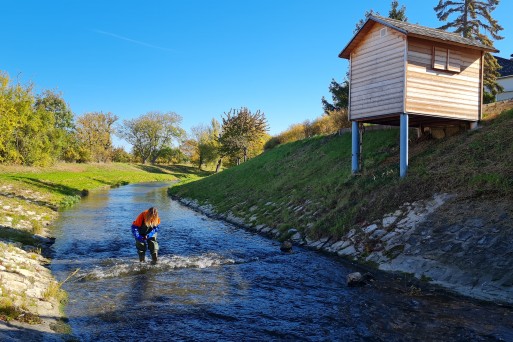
412,30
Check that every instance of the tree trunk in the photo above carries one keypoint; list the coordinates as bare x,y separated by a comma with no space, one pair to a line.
245,154
219,164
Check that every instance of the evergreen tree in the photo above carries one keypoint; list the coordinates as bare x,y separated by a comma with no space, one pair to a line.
397,14
474,20
339,94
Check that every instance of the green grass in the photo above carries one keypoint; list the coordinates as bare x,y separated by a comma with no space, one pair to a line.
308,184
64,184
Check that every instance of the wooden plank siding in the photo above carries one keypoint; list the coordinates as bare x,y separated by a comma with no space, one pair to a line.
443,93
377,74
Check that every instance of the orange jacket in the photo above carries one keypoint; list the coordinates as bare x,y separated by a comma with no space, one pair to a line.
140,230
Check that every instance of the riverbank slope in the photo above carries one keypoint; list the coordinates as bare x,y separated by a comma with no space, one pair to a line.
448,222
31,300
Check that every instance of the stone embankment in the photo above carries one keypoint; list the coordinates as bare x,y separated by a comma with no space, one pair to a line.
29,294
464,245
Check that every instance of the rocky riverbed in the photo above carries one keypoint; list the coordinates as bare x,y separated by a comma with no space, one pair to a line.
462,244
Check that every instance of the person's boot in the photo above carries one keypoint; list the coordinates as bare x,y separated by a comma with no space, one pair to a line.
154,258
142,257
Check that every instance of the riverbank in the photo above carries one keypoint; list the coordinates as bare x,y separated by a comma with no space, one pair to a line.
31,299
448,222
460,245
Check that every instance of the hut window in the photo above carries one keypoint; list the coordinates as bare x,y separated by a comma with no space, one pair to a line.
446,59
383,32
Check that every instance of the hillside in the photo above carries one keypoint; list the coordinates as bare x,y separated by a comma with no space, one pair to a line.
307,184
304,191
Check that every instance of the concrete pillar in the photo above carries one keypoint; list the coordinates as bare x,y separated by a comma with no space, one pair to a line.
355,135
473,125
403,163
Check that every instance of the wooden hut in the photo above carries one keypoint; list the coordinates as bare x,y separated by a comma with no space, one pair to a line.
412,76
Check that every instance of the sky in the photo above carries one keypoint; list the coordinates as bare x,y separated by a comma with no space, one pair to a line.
197,58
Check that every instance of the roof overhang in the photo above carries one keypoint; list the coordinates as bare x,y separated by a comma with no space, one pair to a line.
372,20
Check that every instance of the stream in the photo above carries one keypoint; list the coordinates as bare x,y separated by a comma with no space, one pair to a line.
217,282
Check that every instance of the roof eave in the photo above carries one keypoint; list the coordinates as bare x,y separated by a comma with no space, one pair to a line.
346,52
481,48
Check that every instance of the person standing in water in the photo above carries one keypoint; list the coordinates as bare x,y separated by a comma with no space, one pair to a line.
144,229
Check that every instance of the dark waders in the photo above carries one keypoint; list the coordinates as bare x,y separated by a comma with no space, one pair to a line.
150,244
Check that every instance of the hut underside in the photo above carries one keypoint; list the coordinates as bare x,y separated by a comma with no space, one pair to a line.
415,120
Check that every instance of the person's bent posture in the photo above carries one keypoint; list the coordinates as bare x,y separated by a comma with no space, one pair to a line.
144,229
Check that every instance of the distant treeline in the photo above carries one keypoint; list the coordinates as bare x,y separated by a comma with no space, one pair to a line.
40,129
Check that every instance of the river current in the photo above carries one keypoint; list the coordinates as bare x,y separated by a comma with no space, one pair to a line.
217,282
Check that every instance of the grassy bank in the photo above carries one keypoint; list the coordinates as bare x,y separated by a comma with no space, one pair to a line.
307,184
62,183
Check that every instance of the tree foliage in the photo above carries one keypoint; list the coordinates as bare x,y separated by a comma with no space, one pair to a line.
396,12
240,129
150,133
63,136
207,142
28,131
94,133
473,19
339,94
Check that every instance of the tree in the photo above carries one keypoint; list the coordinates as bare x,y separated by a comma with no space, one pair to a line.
339,94
119,155
94,132
63,121
474,20
28,133
207,139
170,155
360,23
188,150
397,14
240,128
150,133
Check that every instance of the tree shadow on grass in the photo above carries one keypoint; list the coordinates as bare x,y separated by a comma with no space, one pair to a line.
52,187
28,199
113,184
151,168
179,171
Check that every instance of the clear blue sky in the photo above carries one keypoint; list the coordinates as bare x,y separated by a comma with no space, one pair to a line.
198,58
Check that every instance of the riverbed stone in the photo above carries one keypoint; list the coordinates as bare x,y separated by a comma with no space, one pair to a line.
348,251
370,229
388,221
378,233
296,237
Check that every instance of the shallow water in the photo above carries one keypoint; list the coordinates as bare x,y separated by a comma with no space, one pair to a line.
216,282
